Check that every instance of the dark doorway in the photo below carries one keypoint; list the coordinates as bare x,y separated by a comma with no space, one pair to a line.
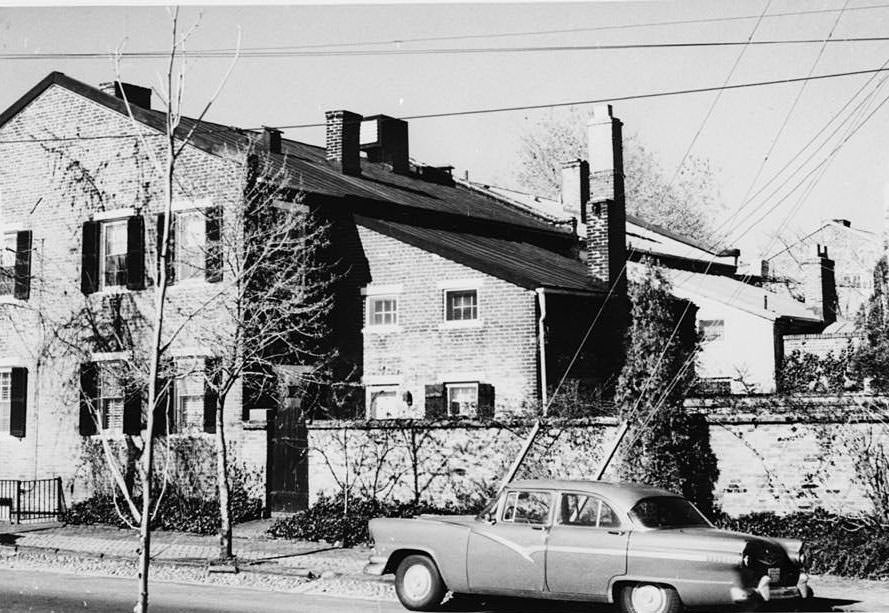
288,466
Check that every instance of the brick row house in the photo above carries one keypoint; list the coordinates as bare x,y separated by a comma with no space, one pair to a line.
449,303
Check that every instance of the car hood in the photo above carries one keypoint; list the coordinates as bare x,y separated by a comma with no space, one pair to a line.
461,520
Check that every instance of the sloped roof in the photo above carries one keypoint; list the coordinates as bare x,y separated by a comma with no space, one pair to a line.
515,261
733,293
841,225
309,167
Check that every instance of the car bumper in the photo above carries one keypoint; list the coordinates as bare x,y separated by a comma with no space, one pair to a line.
375,565
766,592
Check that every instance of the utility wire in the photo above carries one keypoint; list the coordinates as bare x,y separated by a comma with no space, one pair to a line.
677,92
150,55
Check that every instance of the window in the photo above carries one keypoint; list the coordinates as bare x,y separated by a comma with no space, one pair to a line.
712,329
7,263
189,245
526,507
461,305
5,399
382,311
110,397
189,386
580,510
462,399
113,256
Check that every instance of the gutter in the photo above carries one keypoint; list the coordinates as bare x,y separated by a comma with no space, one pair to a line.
541,345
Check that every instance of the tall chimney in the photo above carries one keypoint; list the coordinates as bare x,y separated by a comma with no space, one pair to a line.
136,95
575,186
343,141
385,139
820,287
605,214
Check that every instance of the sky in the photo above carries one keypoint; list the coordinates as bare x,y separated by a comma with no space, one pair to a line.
747,134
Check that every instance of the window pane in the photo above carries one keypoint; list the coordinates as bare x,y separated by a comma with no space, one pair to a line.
463,400
578,510
461,305
114,253
7,263
607,517
384,403
712,329
189,245
383,311
5,383
110,396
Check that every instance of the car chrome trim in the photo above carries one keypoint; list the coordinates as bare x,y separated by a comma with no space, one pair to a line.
691,557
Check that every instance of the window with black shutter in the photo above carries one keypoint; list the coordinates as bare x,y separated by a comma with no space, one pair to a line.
164,418
18,401
171,269
435,401
22,267
135,258
89,382
485,401
132,410
213,251
89,262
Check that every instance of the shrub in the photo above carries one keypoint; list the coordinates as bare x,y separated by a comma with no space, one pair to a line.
178,511
325,521
851,547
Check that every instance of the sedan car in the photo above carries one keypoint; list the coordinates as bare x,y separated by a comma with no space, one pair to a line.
646,549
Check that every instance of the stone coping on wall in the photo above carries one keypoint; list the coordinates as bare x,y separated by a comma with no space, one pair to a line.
453,424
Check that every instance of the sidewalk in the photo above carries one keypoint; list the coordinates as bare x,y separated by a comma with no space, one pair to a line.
296,566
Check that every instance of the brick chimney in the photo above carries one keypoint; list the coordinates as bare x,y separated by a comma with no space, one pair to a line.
135,94
271,139
575,186
819,286
343,138
384,139
605,212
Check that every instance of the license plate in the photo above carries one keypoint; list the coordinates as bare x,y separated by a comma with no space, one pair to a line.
774,575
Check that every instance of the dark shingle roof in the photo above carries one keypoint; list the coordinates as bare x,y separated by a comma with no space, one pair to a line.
515,261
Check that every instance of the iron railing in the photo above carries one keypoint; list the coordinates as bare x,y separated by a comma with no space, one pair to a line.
34,500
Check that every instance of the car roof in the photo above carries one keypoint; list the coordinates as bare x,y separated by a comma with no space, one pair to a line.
626,494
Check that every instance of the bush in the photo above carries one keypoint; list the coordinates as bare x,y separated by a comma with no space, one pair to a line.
178,512
851,547
324,521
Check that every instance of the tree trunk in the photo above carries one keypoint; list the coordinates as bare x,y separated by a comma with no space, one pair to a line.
225,511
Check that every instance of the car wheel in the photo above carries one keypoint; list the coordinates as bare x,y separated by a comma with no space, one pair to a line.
418,584
649,598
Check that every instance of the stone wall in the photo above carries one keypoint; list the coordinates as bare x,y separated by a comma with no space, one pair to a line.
774,454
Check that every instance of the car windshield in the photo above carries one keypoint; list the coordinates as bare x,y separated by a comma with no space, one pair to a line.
667,512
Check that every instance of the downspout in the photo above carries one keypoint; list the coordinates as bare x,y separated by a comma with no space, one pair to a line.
541,345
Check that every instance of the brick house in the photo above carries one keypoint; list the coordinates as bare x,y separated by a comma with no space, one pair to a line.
450,302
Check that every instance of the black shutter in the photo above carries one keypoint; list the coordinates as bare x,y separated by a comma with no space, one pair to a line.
89,382
132,409
136,252
435,401
164,415
485,401
18,401
211,382
23,265
89,261
213,247
171,269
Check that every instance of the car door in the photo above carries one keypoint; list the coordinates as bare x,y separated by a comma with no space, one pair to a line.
507,555
587,546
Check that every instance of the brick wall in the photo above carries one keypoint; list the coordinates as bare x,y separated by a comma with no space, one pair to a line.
51,188
423,350
820,344
774,454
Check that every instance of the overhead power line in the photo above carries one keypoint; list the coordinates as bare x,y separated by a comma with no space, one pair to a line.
678,92
271,54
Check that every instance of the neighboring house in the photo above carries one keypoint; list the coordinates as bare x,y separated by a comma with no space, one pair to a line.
854,251
449,303
741,323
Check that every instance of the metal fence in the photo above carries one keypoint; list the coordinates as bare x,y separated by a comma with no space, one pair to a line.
28,501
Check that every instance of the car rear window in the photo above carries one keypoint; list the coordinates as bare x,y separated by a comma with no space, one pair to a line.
667,512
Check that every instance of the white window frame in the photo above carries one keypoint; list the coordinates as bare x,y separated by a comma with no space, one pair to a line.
103,228
381,292
460,384
5,403
197,274
9,253
712,323
104,367
194,366
475,322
